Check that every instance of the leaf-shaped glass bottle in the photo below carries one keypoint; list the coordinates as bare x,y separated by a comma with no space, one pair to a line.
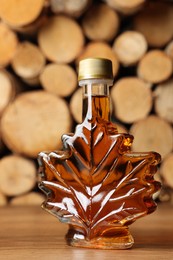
96,184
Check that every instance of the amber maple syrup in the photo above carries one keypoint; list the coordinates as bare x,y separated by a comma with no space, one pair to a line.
96,184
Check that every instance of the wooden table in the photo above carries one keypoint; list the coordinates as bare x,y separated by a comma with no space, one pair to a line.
31,233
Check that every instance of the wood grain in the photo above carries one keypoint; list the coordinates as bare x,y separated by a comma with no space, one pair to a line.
19,13
8,44
39,106
28,61
30,233
152,134
59,79
126,7
155,23
59,44
132,99
101,23
18,175
155,66
70,7
130,46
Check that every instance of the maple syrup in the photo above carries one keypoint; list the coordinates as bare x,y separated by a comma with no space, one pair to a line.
96,184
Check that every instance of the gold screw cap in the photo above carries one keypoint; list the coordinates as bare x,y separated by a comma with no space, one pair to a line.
95,68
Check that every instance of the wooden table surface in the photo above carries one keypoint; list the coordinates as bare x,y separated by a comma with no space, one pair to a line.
31,233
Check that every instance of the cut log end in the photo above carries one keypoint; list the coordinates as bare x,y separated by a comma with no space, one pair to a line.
164,100
19,13
132,99
130,46
59,79
155,66
17,175
28,61
126,7
70,7
7,89
152,134
50,119
100,23
59,44
8,44
155,23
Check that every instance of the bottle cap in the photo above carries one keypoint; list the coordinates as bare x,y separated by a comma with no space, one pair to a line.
95,68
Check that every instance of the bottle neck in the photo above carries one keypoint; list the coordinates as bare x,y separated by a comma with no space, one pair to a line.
96,102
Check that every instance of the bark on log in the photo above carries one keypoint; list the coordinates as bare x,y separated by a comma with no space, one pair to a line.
19,13
155,22
130,46
100,23
167,170
125,6
102,50
132,99
8,44
59,79
58,43
74,8
164,100
17,175
34,122
152,134
28,61
155,66
29,199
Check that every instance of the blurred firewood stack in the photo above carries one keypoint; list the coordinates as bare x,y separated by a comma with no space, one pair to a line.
41,44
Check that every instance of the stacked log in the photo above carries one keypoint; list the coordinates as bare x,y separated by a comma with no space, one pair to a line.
61,39
155,23
28,62
93,21
130,46
155,67
41,44
18,175
8,44
52,79
139,94
8,89
69,7
33,122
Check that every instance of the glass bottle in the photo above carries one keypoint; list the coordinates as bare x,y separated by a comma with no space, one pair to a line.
95,183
